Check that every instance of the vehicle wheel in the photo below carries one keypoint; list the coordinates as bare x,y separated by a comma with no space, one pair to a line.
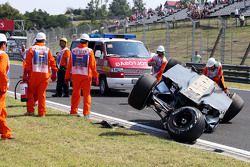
186,124
234,109
104,89
171,63
139,95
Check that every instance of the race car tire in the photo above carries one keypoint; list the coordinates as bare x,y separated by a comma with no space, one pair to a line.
141,91
186,124
171,63
234,109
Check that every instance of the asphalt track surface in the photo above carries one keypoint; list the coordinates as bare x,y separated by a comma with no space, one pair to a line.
234,134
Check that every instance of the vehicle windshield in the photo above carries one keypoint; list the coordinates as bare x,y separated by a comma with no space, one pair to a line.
127,49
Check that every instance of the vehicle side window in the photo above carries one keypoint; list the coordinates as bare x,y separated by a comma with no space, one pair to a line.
91,44
99,50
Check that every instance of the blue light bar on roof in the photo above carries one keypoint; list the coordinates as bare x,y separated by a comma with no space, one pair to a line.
110,36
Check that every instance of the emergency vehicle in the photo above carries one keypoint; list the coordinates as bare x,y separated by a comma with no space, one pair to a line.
120,60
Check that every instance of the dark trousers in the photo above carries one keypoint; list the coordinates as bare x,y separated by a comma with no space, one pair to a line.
60,83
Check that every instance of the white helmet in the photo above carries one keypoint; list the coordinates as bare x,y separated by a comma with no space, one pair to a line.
3,38
84,37
40,36
160,49
211,62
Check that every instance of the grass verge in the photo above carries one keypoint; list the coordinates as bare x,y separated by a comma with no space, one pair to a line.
238,85
16,62
63,140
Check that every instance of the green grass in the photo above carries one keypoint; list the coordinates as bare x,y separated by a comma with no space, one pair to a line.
238,85
16,62
62,140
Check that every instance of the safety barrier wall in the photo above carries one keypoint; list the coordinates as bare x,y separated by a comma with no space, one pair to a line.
232,73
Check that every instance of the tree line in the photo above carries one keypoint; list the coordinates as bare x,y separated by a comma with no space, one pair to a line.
95,9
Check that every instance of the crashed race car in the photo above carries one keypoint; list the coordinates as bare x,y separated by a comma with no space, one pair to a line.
188,103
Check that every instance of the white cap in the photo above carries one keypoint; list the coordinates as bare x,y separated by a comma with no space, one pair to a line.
160,49
211,62
84,37
3,38
40,36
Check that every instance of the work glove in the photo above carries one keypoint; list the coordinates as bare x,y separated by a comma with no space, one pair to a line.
53,76
227,92
25,76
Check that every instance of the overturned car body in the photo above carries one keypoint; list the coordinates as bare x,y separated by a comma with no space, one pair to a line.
187,102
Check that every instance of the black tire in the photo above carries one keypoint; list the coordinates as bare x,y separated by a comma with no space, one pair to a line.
104,89
171,63
234,109
141,91
186,124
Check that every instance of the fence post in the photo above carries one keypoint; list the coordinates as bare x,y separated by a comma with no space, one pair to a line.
222,40
167,39
144,34
193,38
245,55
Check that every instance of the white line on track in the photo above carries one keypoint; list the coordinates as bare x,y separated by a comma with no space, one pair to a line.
207,145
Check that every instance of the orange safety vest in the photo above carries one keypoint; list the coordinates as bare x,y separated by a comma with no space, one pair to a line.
59,58
159,61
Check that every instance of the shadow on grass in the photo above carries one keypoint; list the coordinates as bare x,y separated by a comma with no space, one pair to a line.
15,106
47,115
120,134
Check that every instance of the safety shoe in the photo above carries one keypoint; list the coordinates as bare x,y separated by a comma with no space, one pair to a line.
65,95
41,116
80,115
56,95
29,114
8,138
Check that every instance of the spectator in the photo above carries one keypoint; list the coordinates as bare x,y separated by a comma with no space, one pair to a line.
196,58
242,20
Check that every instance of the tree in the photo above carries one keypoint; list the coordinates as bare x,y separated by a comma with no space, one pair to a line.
41,19
90,11
138,6
120,8
8,12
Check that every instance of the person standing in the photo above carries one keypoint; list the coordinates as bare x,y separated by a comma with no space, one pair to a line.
4,84
81,67
39,60
158,62
196,58
62,62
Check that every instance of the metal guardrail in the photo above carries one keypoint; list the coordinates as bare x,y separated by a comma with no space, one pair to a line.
232,73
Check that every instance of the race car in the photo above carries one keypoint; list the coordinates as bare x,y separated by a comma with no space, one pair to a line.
188,103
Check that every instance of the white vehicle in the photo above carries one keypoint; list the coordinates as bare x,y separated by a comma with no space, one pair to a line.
120,60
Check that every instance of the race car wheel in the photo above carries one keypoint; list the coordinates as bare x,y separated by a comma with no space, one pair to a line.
171,63
186,124
234,109
140,93
104,89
